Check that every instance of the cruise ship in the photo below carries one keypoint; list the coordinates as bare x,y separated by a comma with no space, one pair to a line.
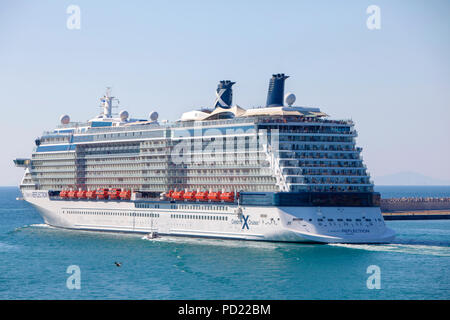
280,172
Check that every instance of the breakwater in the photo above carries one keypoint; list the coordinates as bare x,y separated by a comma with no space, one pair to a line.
414,204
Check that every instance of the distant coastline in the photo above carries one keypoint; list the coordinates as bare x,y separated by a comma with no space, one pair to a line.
401,191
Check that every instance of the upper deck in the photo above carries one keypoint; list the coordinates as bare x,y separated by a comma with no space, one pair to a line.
276,148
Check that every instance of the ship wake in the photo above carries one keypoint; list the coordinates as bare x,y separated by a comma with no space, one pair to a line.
420,249
215,242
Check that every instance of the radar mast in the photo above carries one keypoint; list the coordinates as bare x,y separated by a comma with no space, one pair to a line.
107,103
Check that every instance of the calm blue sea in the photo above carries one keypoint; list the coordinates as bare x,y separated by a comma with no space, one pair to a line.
34,260
413,191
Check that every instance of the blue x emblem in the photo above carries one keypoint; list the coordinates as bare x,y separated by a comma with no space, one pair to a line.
245,222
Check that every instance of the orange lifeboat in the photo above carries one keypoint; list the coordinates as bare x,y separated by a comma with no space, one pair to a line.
214,196
114,193
102,194
125,195
63,194
190,195
91,194
169,194
227,196
72,194
81,194
202,196
178,195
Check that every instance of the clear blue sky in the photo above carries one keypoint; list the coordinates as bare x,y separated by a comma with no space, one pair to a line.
169,55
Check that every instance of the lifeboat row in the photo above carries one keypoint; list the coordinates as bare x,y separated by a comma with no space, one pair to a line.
100,194
202,196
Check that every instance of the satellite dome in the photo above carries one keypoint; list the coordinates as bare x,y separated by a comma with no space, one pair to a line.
154,116
65,119
289,99
123,115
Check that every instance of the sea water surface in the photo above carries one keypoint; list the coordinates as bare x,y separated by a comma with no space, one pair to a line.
35,257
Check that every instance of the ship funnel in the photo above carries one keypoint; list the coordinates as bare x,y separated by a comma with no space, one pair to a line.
276,90
224,94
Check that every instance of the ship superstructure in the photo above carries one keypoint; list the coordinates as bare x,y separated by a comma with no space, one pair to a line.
279,172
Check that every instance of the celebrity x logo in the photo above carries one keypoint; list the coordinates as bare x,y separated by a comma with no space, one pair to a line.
245,222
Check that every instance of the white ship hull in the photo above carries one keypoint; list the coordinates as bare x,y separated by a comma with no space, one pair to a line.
217,220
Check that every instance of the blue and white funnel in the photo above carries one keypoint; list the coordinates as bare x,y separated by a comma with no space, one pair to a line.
276,90
224,94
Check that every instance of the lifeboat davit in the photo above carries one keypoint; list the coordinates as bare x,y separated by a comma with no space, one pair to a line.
227,196
81,194
102,194
125,195
114,193
178,195
72,194
190,195
63,194
202,196
214,196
